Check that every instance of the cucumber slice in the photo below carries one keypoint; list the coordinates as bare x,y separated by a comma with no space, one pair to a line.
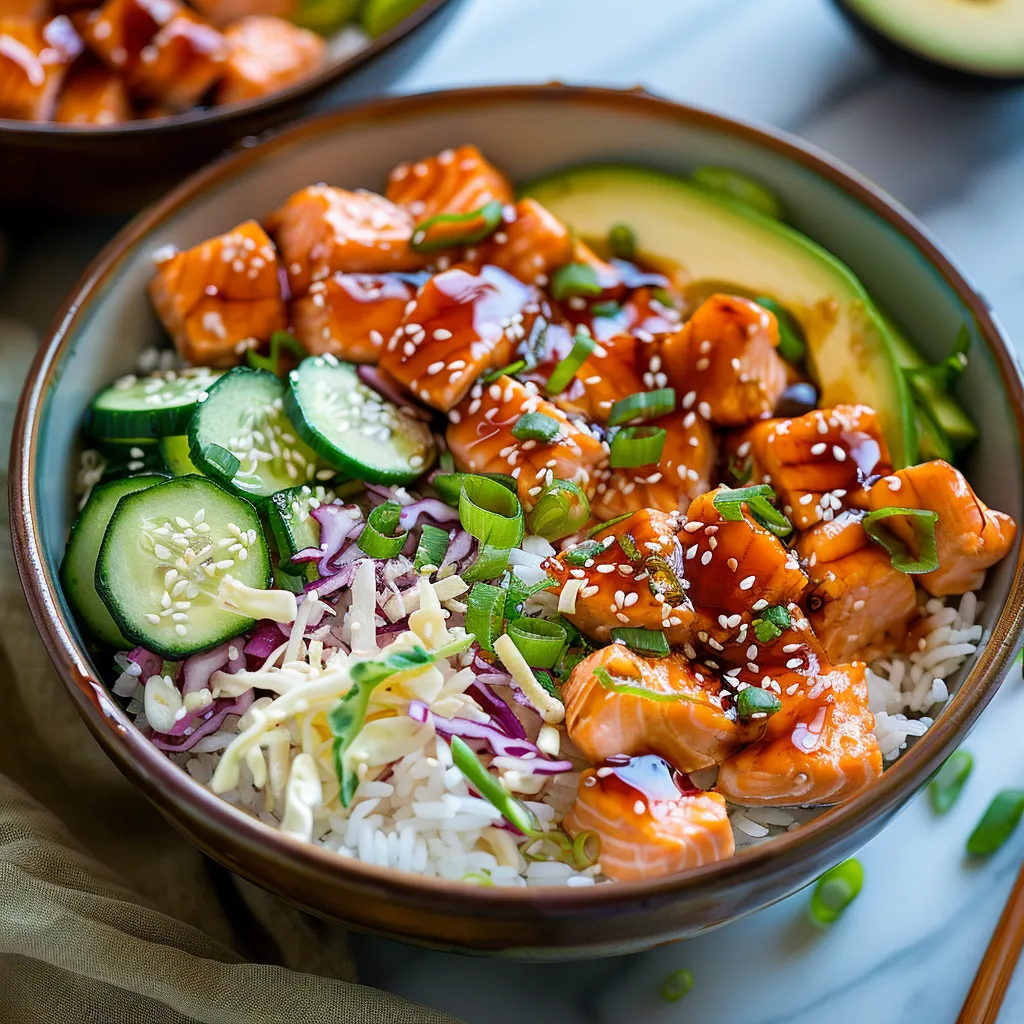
131,457
292,526
242,418
353,427
78,570
164,556
137,407
175,452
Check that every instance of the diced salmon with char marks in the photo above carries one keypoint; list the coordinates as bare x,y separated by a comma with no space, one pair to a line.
455,181
636,580
221,293
823,751
817,463
856,600
34,59
610,373
969,535
351,315
462,324
530,246
224,12
480,439
725,354
644,836
265,55
322,230
93,94
665,706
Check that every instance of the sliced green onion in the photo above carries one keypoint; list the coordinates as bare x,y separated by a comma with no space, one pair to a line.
754,702
792,344
540,641
771,623
485,614
740,470
449,485
923,522
518,591
643,641
944,790
224,461
645,405
446,462
379,539
561,510
604,677
490,512
628,544
997,823
637,446
677,985
490,563
606,310
740,187
835,891
622,242
663,580
575,279
547,683
280,342
664,297
505,371
563,373
536,426
586,849
432,548
512,810
595,530
480,878
583,553
447,230
758,501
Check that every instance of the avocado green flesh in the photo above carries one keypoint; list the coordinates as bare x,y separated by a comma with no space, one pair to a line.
715,244
986,36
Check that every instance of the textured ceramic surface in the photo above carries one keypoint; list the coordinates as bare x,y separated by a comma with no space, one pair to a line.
107,321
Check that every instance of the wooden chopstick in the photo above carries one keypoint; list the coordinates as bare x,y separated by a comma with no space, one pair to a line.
990,983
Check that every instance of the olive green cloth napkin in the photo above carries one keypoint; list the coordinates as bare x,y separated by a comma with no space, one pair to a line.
108,916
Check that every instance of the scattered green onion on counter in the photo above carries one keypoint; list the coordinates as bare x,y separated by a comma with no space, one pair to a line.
944,790
677,985
1001,817
835,891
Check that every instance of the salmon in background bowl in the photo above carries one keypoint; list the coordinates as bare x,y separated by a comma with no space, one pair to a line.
608,159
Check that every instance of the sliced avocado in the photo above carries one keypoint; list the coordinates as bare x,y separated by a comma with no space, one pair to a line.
714,243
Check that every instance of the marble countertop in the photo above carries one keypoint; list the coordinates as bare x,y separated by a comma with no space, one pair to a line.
907,949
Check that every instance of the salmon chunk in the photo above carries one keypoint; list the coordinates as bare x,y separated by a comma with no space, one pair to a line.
266,55
725,354
34,59
455,181
635,579
969,536
93,95
216,297
817,463
856,600
481,441
636,705
462,324
351,315
609,374
823,752
322,230
649,820
530,246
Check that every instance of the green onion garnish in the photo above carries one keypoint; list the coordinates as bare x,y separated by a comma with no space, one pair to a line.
835,891
547,683
512,810
561,510
662,579
432,548
607,310
540,641
485,614
941,376
753,701
224,462
997,823
622,242
595,530
518,591
758,501
628,544
536,426
449,485
379,539
677,985
923,522
490,512
583,553
586,849
490,563
563,373
792,345
739,187
280,342
575,279
944,790
450,229
643,406
771,623
604,677
643,641
512,368
740,470
637,446
664,297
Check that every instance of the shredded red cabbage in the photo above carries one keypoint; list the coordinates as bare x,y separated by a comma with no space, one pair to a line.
433,510
149,663
195,672
187,732
497,709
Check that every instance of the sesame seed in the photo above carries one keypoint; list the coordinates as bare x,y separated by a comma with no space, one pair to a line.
706,557
747,583
839,453
819,448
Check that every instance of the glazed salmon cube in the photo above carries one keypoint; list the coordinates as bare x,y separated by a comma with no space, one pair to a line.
856,600
455,181
530,246
817,463
93,95
219,297
463,323
322,230
266,55
969,536
652,828
480,439
223,13
34,59
725,356
351,315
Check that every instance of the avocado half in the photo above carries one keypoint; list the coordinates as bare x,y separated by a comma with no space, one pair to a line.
711,242
967,40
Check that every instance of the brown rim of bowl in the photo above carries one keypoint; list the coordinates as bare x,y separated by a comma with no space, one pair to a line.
836,824
232,111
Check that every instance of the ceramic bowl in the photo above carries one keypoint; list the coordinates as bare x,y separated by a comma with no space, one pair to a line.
529,131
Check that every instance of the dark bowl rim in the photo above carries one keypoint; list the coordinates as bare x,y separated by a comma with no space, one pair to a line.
127,746
172,124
